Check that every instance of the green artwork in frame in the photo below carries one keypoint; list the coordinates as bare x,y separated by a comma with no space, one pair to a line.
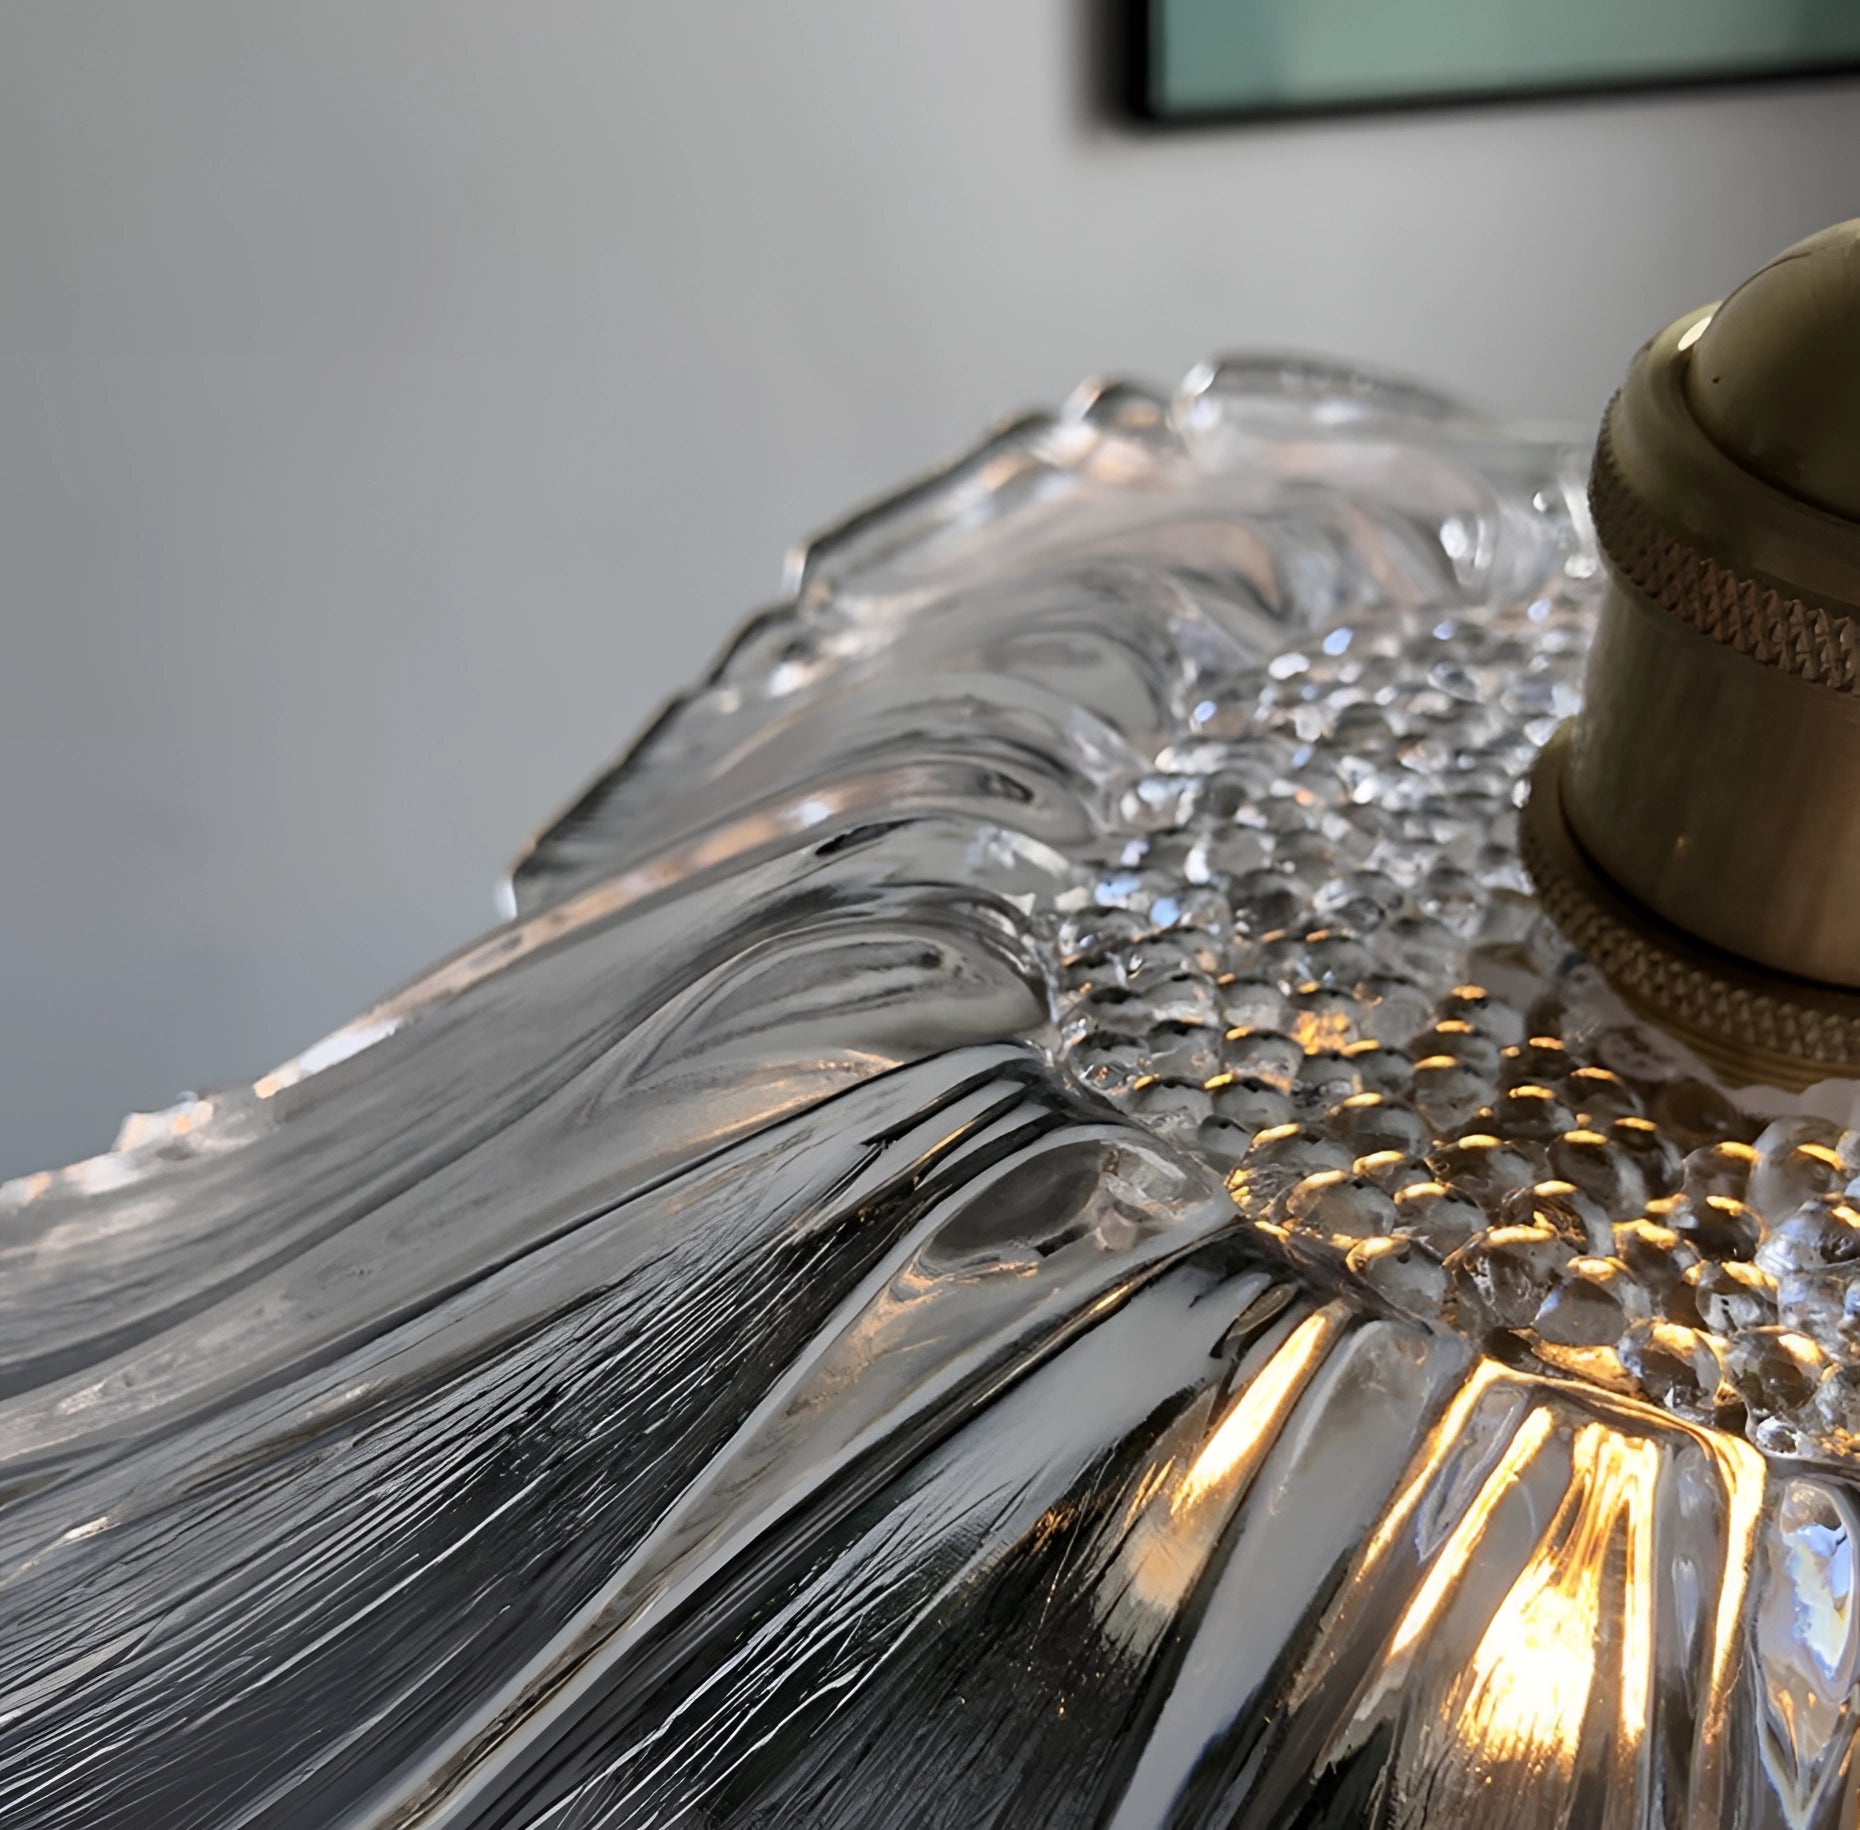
1218,59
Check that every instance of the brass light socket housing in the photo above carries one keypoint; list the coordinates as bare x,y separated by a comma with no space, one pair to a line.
1698,828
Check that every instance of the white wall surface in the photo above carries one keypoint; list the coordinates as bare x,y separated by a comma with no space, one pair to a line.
400,397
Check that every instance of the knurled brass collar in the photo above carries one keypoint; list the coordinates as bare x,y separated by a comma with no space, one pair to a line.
1725,551
1698,829
1754,1027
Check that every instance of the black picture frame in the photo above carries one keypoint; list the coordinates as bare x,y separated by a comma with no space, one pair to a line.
1125,33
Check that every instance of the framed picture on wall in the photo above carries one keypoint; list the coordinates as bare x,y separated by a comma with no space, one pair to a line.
1190,61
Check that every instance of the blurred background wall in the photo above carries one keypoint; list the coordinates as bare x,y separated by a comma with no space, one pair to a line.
400,397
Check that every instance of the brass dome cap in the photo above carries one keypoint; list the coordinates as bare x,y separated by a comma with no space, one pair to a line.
1774,377
1708,795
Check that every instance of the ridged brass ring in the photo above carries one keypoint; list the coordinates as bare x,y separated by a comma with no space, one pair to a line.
1697,828
1751,1025
1750,614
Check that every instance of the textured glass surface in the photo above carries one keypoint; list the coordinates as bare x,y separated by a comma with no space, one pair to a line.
1026,1225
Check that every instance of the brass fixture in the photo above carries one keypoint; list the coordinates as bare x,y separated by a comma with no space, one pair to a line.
1697,827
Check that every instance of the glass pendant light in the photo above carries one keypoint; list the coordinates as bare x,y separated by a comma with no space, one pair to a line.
1184,1152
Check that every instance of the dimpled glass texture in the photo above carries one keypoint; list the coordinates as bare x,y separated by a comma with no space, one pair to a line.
1026,1225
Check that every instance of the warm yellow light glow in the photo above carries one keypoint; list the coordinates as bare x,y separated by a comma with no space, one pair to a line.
1526,1689
1746,1479
1485,1383
1562,1672
1313,1032
1641,1491
1458,1550
1176,1523
1530,1683
1253,1419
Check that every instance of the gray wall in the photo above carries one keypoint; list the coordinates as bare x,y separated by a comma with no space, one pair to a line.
401,396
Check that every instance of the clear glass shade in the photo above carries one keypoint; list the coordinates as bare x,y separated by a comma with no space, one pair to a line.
1028,1224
